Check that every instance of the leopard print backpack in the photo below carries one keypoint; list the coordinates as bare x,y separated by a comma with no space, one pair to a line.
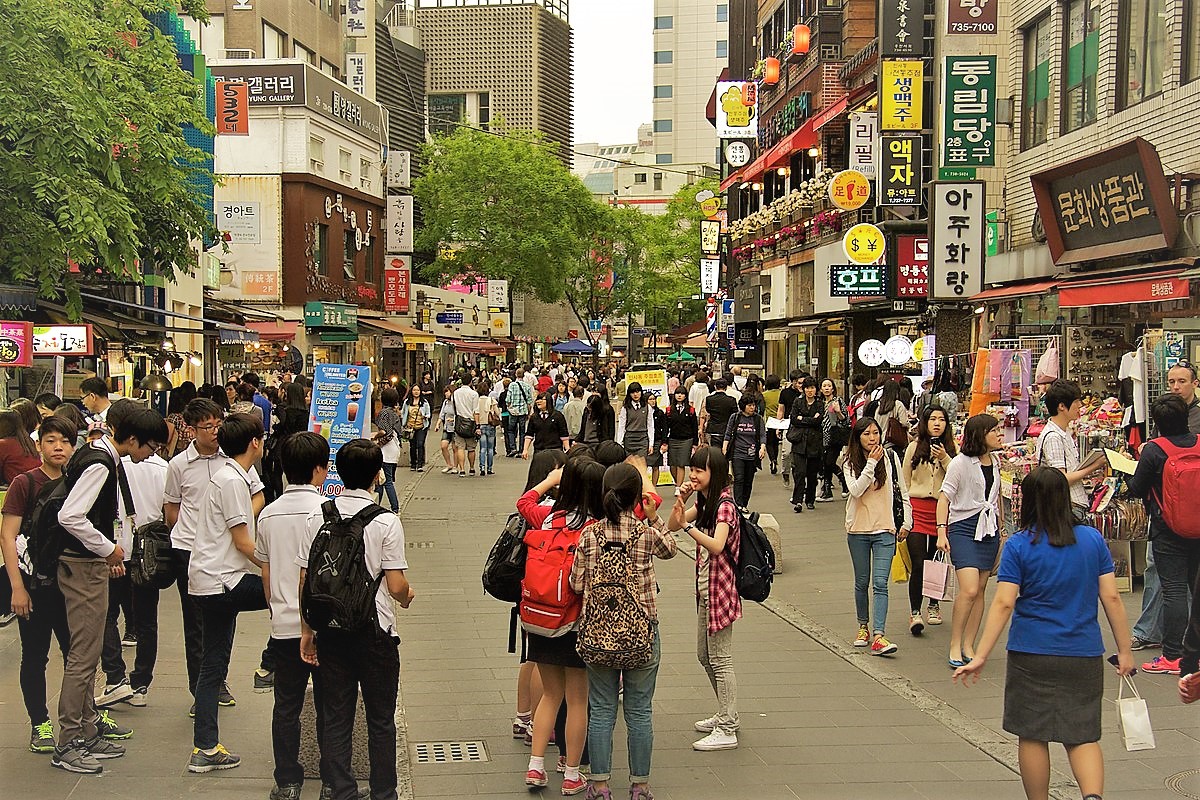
614,630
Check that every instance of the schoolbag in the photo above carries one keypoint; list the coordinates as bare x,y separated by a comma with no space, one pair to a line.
505,565
1180,488
339,592
44,536
150,560
755,568
549,606
614,629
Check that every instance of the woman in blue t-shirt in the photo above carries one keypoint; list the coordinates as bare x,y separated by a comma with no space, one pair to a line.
1051,575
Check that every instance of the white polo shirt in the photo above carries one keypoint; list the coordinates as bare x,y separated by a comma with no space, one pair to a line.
188,476
147,480
216,564
281,527
383,541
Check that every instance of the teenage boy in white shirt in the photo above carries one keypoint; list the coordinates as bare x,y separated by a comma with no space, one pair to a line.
370,657
222,580
281,526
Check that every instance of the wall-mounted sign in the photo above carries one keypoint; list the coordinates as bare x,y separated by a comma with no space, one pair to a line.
16,344
1113,203
233,109
849,189
956,239
912,266
787,118
898,350
710,236
710,274
62,340
499,324
449,318
737,154
356,72
397,282
318,314
737,110
855,280
864,140
399,224
901,95
362,234
969,111
260,283
864,244
354,14
901,29
900,168
497,294
871,352
972,17
399,169
242,221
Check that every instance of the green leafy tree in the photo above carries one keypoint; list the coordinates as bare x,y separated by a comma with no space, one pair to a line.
93,160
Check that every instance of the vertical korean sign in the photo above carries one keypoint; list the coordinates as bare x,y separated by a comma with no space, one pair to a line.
355,16
356,72
864,140
969,111
956,239
340,411
400,224
397,280
901,29
901,95
233,108
900,166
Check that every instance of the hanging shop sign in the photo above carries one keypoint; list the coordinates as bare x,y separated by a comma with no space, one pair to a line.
864,244
399,169
399,223
854,280
233,109
62,340
710,236
901,29
898,350
871,353
737,154
956,239
340,411
968,111
16,344
356,72
397,282
900,169
901,95
497,295
318,314
912,266
849,190
864,141
1116,202
710,272
354,13
972,17
737,110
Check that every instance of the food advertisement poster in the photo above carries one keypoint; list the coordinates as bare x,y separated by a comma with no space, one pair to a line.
340,411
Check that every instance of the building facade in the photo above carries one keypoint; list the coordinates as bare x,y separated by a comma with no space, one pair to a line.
691,48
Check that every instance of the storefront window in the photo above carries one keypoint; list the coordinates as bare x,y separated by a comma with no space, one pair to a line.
1035,100
1142,37
1082,63
349,251
321,249
369,261
1191,41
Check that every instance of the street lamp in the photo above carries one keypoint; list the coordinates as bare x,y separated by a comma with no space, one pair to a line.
679,308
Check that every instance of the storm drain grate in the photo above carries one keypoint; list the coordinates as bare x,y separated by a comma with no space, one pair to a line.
422,545
1185,783
447,752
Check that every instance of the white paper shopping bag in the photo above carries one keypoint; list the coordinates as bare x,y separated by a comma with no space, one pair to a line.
1134,718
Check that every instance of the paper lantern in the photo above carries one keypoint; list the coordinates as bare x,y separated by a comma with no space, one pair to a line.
800,39
771,71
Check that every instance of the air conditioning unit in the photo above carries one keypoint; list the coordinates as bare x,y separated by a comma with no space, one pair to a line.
831,52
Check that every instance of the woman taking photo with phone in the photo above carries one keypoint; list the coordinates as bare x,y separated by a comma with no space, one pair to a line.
925,464
1052,574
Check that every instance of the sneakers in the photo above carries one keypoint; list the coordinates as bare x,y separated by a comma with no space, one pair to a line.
219,759
798,508
264,681
572,786
1161,665
521,727
225,697
536,778
717,740
76,758
1141,644
41,740
915,624
138,698
934,615
825,498
109,728
102,748
845,494
561,766
129,639
882,647
192,711
114,693
787,479
327,792
706,725
285,793
864,636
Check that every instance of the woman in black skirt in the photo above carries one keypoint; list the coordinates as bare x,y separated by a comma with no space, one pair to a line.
1052,572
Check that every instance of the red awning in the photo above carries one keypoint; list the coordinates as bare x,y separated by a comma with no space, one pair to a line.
1015,290
1117,291
801,139
831,112
482,348
274,331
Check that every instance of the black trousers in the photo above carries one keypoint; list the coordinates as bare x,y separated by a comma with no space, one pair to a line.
49,617
122,594
291,682
921,548
829,469
743,479
193,629
349,661
772,447
805,470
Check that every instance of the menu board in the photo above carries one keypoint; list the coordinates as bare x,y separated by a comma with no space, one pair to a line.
340,411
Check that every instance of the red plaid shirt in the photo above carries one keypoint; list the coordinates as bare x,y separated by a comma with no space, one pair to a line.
724,604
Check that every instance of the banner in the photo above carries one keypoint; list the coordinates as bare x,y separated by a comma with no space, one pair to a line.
233,109
900,95
652,380
900,169
397,280
355,16
340,411
710,275
399,169
356,72
400,224
912,266
16,345
864,139
969,111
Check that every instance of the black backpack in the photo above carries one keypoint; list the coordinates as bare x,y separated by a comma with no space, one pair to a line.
339,592
755,567
43,534
150,561
505,565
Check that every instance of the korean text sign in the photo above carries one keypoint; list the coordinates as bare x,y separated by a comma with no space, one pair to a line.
340,411
901,95
737,110
400,224
62,340
900,165
972,17
233,109
912,266
956,239
969,111
16,344
397,279
864,141
901,28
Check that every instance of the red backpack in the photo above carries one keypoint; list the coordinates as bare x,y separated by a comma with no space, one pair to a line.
1180,488
549,607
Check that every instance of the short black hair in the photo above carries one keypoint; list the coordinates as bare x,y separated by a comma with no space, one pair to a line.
119,411
1170,414
858,379
93,385
747,400
809,381
1061,393
200,409
359,463
720,383
252,379
302,453
236,433
143,424
975,433
609,452
388,396
795,375
60,425
48,400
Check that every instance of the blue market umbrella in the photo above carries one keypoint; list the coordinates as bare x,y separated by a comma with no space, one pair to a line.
573,347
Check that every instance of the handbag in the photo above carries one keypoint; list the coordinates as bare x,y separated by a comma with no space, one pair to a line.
901,564
935,584
464,427
897,497
1134,718
896,434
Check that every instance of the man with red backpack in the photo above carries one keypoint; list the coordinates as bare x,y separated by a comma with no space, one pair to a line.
1168,481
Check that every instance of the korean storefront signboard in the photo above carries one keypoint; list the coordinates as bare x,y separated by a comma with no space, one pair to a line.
62,340
16,344
737,110
710,236
710,275
901,28
497,294
972,17
901,94
354,14
233,109
318,314
969,111
864,244
356,72
912,266
399,169
900,164
242,221
340,411
864,140
397,280
1113,203
400,224
855,280
849,190
956,239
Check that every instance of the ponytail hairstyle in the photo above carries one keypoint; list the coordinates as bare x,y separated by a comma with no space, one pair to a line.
622,491
581,491
713,460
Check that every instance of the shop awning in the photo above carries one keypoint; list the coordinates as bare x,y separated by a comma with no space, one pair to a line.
831,113
482,348
801,139
1127,288
1015,290
411,335
274,331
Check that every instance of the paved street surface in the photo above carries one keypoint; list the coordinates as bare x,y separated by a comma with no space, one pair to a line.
820,718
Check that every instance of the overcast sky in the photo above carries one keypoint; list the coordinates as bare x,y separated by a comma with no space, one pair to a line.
613,70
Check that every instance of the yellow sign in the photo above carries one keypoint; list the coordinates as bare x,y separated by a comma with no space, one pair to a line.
900,95
849,189
710,206
864,244
652,380
918,349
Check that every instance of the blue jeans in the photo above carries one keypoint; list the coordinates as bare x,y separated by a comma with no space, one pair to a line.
603,690
416,448
871,554
1148,627
487,447
389,486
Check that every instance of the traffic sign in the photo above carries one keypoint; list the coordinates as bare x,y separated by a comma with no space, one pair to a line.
595,325
864,244
849,189
449,318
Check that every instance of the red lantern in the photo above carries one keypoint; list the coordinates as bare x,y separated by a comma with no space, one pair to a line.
771,71
800,40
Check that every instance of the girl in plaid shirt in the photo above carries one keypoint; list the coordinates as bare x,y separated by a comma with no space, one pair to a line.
718,538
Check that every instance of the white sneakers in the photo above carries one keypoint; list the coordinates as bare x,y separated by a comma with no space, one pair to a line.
717,740
706,725
113,694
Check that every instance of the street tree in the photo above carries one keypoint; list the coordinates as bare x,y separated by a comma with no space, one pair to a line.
93,161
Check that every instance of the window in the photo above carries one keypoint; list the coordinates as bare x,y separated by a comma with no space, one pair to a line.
274,42
349,251
446,111
321,249
723,12
344,166
1083,63
1191,41
1035,98
1142,37
485,110
326,6
303,53
663,158
658,181
664,91
316,154
664,57
664,23
663,126
366,174
329,69
639,177
722,48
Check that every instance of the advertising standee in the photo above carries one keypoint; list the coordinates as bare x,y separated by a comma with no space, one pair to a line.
340,411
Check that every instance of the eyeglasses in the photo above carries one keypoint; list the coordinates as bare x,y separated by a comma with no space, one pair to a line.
207,427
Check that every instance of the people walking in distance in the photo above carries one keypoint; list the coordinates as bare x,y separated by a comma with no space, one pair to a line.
599,423
519,397
547,428
445,425
699,386
635,423
745,447
787,396
466,404
804,434
925,463
682,429
835,435
719,406
415,419
487,417
1052,575
876,483
389,425
655,458
770,410
967,528
573,412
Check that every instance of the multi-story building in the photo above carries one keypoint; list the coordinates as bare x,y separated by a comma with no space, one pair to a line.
691,48
310,31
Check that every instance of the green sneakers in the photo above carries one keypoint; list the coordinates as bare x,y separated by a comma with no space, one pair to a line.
109,728
42,738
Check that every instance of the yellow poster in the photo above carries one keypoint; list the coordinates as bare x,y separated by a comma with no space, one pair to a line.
900,95
652,380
